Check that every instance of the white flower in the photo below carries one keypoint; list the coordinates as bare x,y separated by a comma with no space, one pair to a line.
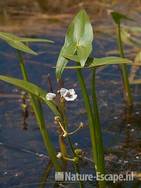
68,94
63,91
50,96
59,155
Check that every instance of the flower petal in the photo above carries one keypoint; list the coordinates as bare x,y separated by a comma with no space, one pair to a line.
70,98
71,91
50,96
63,91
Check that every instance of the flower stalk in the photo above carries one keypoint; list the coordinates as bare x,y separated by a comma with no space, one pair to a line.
63,126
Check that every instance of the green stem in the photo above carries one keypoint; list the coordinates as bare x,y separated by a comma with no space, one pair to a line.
124,70
100,149
92,127
37,108
89,113
63,150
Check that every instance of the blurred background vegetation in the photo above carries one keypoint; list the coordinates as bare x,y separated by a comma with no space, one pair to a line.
38,15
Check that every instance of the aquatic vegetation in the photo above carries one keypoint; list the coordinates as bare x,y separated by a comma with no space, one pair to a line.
117,17
77,47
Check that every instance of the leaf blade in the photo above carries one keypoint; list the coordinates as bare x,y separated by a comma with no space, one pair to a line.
19,43
32,89
16,43
25,39
96,62
79,36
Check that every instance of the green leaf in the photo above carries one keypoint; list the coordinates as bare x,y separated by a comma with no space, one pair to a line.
78,41
61,64
107,61
72,57
23,39
117,17
96,62
21,46
16,43
20,43
32,89
81,55
8,36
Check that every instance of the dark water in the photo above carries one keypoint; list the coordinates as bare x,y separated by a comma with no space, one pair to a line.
23,158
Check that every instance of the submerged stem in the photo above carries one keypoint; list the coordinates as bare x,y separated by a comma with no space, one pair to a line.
124,70
100,149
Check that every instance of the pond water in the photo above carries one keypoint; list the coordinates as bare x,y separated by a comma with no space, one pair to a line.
23,159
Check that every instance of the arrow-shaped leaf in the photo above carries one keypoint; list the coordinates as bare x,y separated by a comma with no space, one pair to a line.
78,41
